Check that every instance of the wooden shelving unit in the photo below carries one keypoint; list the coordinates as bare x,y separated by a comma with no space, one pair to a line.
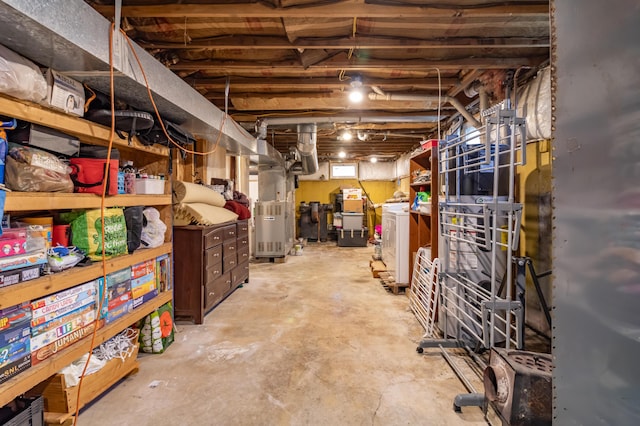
423,226
155,160
29,201
24,381
34,289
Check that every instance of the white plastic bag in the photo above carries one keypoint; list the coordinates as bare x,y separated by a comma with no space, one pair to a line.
21,78
153,231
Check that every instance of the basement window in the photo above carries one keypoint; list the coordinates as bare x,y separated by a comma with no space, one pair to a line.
344,170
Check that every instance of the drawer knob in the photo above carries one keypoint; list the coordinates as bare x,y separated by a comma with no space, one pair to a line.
216,255
228,281
232,262
232,233
211,293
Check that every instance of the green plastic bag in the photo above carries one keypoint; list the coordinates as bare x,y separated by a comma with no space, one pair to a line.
86,232
156,330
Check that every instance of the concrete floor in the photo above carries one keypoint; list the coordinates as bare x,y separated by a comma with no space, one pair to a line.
313,341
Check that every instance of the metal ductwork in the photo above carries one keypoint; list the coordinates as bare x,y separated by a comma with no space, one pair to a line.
434,99
307,137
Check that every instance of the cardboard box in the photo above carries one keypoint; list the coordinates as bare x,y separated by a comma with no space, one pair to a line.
143,288
15,317
145,298
14,368
61,295
16,276
12,246
64,93
14,334
67,305
15,350
72,324
351,194
45,352
57,322
23,261
352,206
143,268
119,312
163,273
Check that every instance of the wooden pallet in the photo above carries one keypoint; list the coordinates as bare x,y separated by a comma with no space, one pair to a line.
274,259
377,266
390,285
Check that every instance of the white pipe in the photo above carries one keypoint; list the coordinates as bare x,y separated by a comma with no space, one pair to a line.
424,98
262,124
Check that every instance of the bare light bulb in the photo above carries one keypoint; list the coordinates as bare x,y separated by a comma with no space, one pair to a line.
373,160
356,96
346,135
342,154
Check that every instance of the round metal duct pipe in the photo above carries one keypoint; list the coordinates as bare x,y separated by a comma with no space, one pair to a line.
307,137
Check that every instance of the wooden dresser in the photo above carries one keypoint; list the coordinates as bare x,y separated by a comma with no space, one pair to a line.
210,262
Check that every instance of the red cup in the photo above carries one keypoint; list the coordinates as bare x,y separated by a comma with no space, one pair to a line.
60,235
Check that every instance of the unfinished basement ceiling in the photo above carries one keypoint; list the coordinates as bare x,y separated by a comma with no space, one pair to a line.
298,58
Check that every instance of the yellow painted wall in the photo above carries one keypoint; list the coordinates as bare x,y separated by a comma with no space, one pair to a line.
404,185
378,191
534,186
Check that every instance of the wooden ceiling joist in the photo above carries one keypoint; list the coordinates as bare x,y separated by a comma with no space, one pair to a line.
362,65
240,84
347,9
267,42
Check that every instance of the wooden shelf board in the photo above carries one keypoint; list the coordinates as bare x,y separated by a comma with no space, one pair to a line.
421,183
84,130
420,213
24,381
27,201
34,289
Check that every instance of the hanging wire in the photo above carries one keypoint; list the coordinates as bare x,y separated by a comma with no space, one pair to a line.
354,28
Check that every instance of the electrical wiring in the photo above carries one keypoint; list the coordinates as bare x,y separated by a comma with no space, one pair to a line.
120,346
155,108
341,76
102,215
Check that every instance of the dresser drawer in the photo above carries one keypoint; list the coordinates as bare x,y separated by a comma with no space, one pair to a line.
215,290
243,254
214,237
243,241
240,273
229,262
212,256
212,272
243,228
230,232
229,248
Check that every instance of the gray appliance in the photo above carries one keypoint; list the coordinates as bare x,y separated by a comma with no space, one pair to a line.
274,230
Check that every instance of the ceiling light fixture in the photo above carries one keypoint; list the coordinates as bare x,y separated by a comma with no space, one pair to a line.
342,154
373,160
356,94
346,135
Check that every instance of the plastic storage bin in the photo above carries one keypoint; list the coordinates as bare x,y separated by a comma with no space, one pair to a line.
149,186
353,238
31,414
352,221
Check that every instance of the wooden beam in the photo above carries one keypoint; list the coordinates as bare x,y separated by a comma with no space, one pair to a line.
240,84
345,9
269,42
362,64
